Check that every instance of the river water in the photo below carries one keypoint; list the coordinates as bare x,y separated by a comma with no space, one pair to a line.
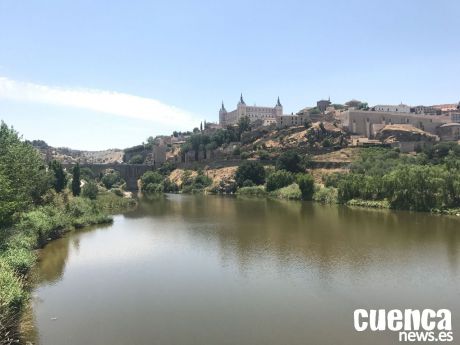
220,270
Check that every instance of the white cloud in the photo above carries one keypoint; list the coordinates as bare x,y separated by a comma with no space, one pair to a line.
104,101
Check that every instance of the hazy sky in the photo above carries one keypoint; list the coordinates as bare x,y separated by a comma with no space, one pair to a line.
98,74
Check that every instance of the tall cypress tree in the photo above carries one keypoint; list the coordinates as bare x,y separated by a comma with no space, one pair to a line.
76,180
59,176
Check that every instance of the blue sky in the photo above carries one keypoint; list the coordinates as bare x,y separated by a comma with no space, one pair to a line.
100,74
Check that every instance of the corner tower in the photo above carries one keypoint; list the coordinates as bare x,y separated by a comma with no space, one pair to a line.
241,108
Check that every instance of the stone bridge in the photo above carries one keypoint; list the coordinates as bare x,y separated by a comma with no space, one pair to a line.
129,172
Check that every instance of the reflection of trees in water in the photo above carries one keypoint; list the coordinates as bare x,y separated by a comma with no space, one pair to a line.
306,233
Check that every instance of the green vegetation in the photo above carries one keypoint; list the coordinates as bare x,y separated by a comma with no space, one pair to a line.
35,207
289,161
326,195
112,179
137,159
291,192
251,171
428,181
279,179
195,184
76,180
254,191
306,184
60,178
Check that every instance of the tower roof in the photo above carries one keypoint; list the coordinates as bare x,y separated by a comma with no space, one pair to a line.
222,108
278,103
241,99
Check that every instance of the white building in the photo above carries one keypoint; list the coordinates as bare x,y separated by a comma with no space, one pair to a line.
402,108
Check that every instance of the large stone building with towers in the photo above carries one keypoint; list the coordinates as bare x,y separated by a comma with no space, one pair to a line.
266,114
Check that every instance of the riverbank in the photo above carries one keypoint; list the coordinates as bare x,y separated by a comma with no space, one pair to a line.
33,230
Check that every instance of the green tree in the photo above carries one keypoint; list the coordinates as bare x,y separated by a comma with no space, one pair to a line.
279,179
307,185
252,171
23,178
60,179
90,190
244,125
289,161
136,159
76,189
111,179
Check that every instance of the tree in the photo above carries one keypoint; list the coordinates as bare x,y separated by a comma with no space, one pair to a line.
151,177
23,178
90,190
252,171
279,179
111,179
60,178
136,159
307,185
76,180
289,161
244,125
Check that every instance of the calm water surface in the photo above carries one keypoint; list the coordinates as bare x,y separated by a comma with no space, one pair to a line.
219,270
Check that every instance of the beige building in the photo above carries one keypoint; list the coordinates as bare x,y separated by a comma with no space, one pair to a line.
368,123
254,113
402,108
291,120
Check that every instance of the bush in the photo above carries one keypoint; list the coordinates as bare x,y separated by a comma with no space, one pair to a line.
19,259
279,179
256,191
153,188
252,171
136,159
112,179
151,177
291,192
245,155
326,195
12,295
289,161
263,155
307,185
90,190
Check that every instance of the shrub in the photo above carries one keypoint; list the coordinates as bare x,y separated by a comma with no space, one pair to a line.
90,190
11,293
252,171
256,191
136,159
153,188
326,195
279,179
111,179
245,155
307,185
291,192
19,259
151,177
289,161
263,155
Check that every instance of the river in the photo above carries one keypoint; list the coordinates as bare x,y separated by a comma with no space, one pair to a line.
221,270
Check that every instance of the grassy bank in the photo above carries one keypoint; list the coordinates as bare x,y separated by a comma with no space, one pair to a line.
32,230
38,203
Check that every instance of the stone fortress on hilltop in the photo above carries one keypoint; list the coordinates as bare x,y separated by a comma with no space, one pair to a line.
266,115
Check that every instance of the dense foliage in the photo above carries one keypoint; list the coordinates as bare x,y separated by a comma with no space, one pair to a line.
279,179
36,206
252,171
427,181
